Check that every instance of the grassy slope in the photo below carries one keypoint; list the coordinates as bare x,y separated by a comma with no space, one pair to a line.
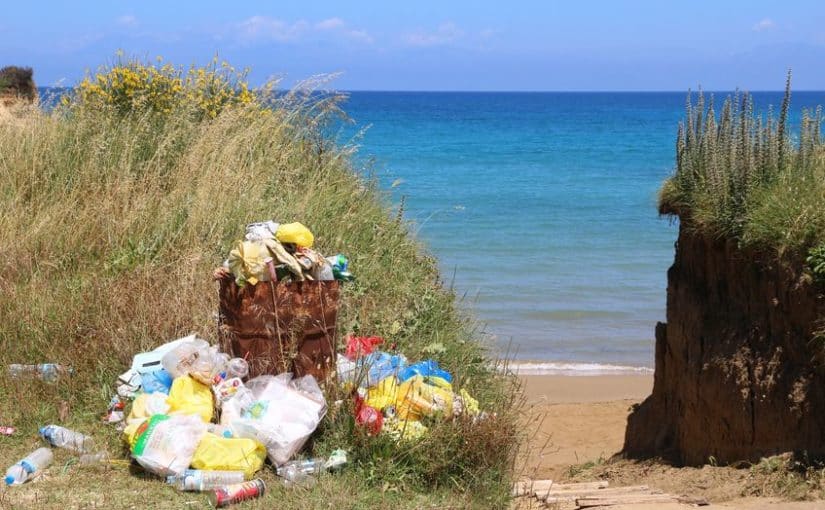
109,230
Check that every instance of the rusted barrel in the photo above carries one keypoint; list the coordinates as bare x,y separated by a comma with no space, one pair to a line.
281,327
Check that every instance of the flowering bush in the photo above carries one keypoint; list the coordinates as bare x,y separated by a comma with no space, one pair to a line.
133,85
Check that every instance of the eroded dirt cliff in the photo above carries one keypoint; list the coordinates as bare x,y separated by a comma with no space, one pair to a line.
737,375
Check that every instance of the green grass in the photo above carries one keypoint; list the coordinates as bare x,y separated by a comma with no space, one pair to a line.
741,175
110,227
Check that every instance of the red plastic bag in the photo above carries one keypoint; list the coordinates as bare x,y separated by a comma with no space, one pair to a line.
358,346
368,417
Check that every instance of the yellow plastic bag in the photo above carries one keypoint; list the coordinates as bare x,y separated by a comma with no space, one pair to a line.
416,399
295,233
246,261
147,405
215,453
383,394
188,396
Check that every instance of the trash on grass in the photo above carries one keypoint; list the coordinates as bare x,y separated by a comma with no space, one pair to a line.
235,493
164,444
218,453
198,480
189,396
283,414
48,372
30,466
61,437
7,431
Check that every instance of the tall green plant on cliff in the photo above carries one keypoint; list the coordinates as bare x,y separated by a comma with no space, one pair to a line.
739,174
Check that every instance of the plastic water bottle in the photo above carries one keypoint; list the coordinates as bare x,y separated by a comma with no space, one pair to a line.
92,459
48,372
27,468
62,437
308,466
237,367
198,480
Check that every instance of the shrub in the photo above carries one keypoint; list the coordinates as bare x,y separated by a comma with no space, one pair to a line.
18,81
739,174
135,86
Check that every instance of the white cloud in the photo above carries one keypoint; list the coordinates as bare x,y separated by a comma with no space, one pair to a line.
765,24
264,27
127,20
359,35
445,33
329,24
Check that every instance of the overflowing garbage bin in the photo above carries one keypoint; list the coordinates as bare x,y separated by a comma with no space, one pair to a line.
281,327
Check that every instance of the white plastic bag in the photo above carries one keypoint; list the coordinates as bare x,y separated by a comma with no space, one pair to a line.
165,445
282,416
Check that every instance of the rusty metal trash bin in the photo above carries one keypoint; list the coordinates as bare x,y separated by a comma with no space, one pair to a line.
281,327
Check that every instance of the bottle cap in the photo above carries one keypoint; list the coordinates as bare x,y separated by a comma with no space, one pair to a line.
9,480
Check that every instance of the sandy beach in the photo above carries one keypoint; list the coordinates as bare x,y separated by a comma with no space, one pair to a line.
577,425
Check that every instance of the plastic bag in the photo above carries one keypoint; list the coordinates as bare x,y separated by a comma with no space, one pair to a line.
295,233
147,405
165,445
196,358
215,453
383,394
417,399
381,365
283,414
188,396
358,346
428,369
261,230
246,261
159,380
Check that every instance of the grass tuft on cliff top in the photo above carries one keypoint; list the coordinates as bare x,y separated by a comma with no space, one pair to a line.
741,175
115,208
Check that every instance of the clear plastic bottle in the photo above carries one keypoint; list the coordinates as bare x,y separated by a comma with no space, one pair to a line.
308,466
295,476
198,480
62,437
237,367
27,468
48,372
93,459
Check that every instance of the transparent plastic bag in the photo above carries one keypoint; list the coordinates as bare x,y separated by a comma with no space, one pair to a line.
283,415
165,445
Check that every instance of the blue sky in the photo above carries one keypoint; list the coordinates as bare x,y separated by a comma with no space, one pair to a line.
438,45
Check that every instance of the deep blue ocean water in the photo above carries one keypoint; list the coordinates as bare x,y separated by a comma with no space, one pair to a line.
541,207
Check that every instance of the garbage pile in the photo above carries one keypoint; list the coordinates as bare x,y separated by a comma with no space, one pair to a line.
273,252
200,422
395,397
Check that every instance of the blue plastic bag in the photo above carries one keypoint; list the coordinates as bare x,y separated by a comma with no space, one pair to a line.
159,380
381,364
427,368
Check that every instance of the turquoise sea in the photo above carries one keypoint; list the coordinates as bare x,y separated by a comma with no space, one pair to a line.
541,208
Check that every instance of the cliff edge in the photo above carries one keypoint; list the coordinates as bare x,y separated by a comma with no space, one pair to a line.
738,376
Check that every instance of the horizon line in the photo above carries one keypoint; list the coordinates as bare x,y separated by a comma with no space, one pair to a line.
546,91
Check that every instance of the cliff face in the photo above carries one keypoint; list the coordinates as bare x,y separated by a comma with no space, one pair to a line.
737,376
